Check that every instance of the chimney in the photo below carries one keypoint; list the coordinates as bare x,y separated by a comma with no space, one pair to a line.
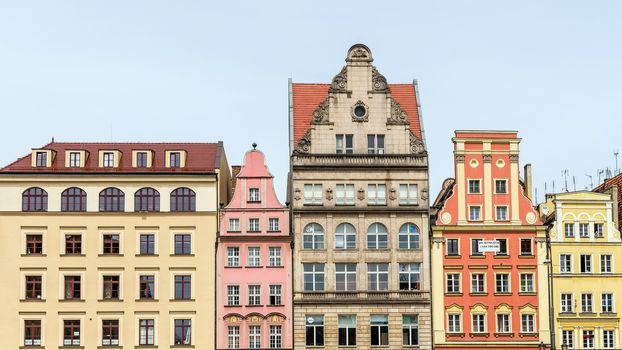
528,183
235,170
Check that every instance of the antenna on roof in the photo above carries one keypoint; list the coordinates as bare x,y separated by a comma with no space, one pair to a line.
616,171
553,186
52,139
565,175
591,180
574,183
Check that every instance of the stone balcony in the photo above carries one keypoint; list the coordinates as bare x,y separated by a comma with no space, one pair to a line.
356,297
360,160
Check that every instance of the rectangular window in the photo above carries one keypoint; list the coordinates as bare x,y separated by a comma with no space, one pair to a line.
475,213
347,330
527,323
344,194
345,277
479,323
568,338
42,159
111,244
501,186
253,225
313,277
599,230
111,287
71,333
454,323
606,303
183,287
478,283
410,277
377,194
314,330
410,330
525,247
175,159
502,283
343,144
586,303
565,263
146,332
274,258
313,194
183,332
375,144
502,213
503,323
32,332
408,194
34,244
527,283
110,332
453,283
253,195
72,287
233,295
233,337
584,230
605,263
276,294
566,302
33,287
73,244
588,339
74,159
147,286
452,247
608,341
503,247
254,257
276,337
147,244
475,247
377,277
183,244
474,186
234,225
233,256
254,337
586,263
569,229
141,159
273,225
379,325
108,161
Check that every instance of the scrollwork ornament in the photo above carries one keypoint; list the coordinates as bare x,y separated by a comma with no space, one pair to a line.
424,194
360,194
459,158
393,194
379,82
340,81
329,194
320,115
297,194
416,145
304,144
398,115
513,158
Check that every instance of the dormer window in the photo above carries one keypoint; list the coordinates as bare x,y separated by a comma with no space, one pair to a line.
141,159
175,159
42,159
253,195
108,160
74,159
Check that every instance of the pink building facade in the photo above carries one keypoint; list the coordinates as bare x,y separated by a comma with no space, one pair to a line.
254,271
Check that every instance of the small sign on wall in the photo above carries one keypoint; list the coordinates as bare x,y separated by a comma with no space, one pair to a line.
488,246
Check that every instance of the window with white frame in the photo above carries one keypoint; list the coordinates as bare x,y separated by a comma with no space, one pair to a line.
587,303
606,303
234,225
377,194
253,194
599,229
527,283
566,302
475,186
569,230
588,339
478,283
608,340
343,144
475,213
108,159
527,323
276,294
274,257
475,246
502,283
313,194
347,330
503,323
584,230
254,257
565,263
233,295
410,330
409,236
344,194
345,236
273,225
146,331
233,256
568,338
233,337
501,186
408,194
254,337
453,248
313,275
276,337
379,329
313,237
503,246
453,283
74,159
253,225
375,144
605,263
410,276
502,213
314,330
377,236
254,294
377,277
526,248
345,277
478,324
454,323
586,263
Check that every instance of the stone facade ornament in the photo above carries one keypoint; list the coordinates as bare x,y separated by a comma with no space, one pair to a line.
329,194
360,112
459,158
379,82
359,53
297,194
304,144
398,115
320,115
393,194
416,145
360,194
513,158
487,158
424,194
340,81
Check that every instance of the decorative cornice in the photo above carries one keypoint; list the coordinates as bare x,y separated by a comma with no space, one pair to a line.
320,115
416,145
487,158
378,81
340,81
513,158
459,158
398,115
304,144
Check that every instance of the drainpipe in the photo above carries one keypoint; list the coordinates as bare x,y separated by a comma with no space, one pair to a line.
549,267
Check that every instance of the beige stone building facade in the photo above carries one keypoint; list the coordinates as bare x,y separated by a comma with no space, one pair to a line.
110,245
359,197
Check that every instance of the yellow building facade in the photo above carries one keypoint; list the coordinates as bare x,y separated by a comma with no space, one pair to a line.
110,245
586,277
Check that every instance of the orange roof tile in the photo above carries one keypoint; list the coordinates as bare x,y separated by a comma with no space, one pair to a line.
606,185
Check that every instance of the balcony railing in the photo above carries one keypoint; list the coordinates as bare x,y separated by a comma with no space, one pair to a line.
362,297
370,160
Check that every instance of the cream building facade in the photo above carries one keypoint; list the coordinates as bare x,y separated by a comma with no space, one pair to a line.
359,197
111,245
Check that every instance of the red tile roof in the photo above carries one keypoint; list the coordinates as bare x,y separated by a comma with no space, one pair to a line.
606,185
201,158
307,97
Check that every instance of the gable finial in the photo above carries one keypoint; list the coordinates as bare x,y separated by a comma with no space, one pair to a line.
254,145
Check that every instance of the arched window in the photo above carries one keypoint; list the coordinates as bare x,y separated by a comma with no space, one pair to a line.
409,236
183,199
111,199
377,236
147,199
73,199
313,237
34,199
345,236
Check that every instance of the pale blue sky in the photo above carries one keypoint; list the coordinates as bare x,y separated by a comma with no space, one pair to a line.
202,71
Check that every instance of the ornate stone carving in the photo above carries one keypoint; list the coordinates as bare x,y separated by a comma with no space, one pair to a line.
513,158
416,145
487,158
329,194
340,81
378,81
424,194
297,194
393,194
398,115
304,144
360,194
364,117
359,53
320,115
459,158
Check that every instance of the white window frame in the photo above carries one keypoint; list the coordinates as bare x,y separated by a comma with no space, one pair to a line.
409,194
273,225
376,194
313,194
344,194
233,256
472,217
274,259
253,257
253,194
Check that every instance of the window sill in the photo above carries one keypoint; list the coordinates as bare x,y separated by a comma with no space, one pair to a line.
145,346
377,205
478,293
503,293
453,294
110,255
501,256
71,347
608,313
73,255
32,347
567,313
147,255
110,346
477,334
249,231
34,255
587,314
274,231
253,306
233,267
453,256
313,250
236,231
275,267
32,300
110,300
527,293
253,267
345,249
377,249
313,204
182,300
71,300
188,255
531,334
232,306
182,346
479,256
408,250
504,334
451,334
145,300
344,204
526,256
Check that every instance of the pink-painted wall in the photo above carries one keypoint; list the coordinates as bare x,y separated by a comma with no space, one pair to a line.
254,175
